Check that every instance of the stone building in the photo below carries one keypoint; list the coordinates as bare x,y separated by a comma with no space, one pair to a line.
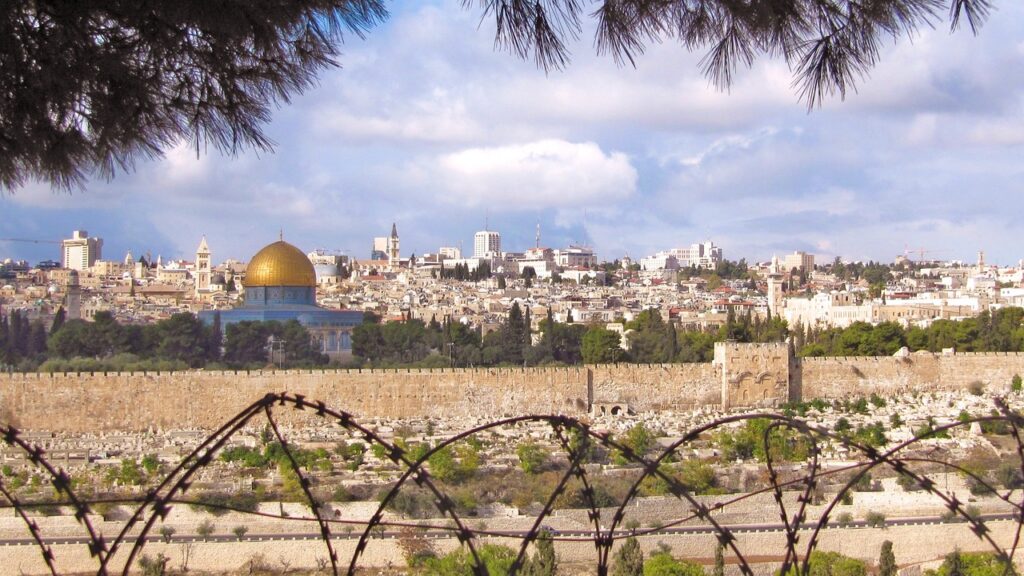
280,284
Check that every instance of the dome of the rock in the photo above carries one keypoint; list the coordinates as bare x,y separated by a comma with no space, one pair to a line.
280,264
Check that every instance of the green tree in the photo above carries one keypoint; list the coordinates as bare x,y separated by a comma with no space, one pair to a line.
875,519
629,559
183,337
443,465
543,562
959,563
496,559
663,564
697,476
652,340
887,560
515,335
368,339
696,346
205,529
720,561
532,457
246,343
58,320
75,339
601,346
154,567
639,439
167,533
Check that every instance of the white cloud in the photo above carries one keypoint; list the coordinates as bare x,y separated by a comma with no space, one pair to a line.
441,117
537,175
1007,132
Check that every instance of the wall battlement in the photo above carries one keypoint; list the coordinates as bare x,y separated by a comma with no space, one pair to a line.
741,375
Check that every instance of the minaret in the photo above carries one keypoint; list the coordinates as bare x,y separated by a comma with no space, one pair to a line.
74,297
129,264
393,253
203,267
775,295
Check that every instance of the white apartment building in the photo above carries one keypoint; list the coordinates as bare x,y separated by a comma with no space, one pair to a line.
486,244
576,257
801,261
80,252
660,261
702,255
839,309
380,248
449,252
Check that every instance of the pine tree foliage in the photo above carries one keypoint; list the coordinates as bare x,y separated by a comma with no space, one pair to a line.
90,86
828,43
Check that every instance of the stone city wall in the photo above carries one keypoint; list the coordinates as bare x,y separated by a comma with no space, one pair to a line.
921,371
657,387
204,400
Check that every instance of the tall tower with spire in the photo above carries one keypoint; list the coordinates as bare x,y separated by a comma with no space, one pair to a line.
204,268
393,252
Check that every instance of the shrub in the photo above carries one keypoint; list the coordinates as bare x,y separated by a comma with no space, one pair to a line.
166,533
907,483
875,519
205,529
1008,474
532,457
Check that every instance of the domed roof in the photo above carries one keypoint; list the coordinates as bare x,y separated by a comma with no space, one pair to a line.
280,264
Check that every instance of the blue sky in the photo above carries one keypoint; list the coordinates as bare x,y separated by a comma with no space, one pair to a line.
426,125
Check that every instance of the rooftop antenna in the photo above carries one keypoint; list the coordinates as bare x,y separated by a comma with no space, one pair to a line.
538,236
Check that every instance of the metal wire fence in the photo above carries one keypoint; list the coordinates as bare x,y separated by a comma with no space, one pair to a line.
576,437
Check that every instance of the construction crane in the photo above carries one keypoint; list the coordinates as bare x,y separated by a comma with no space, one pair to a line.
920,252
30,240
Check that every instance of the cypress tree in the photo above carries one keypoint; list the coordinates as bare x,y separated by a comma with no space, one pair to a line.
954,564
36,344
543,562
886,560
58,320
629,559
5,339
216,338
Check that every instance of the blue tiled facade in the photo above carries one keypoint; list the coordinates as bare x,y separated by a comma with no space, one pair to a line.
332,328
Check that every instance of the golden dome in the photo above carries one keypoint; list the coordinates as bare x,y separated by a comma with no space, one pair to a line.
280,264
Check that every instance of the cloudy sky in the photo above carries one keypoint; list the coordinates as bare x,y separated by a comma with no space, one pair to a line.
426,125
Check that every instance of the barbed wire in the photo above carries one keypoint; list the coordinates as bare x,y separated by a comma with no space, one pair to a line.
576,437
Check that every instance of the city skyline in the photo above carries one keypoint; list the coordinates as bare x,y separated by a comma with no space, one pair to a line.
425,123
